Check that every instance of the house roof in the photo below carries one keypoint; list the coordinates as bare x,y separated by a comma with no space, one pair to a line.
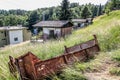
79,20
82,20
90,19
12,28
57,24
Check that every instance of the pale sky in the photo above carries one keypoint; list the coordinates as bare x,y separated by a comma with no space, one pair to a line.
34,4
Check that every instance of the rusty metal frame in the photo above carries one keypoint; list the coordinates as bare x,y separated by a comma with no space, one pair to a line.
30,67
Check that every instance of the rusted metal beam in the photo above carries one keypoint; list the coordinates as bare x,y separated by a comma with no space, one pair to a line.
32,68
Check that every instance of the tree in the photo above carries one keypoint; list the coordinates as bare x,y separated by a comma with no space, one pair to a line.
12,20
85,12
99,10
65,10
94,11
72,5
112,5
1,23
33,19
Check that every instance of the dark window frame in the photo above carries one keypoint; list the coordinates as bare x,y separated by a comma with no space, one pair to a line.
16,39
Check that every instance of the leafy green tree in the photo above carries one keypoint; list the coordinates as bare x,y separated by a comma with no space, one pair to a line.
7,20
118,4
65,13
112,5
12,20
75,12
1,23
115,4
33,19
108,8
85,12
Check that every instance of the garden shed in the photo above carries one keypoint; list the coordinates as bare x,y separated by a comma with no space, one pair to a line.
53,29
13,35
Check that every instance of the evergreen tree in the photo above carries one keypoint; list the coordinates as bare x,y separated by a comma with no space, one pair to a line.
33,19
85,12
94,11
72,5
99,10
65,10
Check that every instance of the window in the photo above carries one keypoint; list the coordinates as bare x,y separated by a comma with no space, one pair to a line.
16,39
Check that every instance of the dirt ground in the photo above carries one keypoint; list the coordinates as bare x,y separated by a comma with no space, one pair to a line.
103,73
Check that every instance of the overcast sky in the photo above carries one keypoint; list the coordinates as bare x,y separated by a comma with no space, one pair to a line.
34,4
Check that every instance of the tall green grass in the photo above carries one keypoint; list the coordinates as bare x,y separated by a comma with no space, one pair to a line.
107,29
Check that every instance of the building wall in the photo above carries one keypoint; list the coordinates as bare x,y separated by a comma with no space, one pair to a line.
80,24
66,31
16,36
59,31
3,40
26,35
47,30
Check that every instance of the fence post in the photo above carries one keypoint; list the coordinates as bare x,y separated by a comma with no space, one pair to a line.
96,42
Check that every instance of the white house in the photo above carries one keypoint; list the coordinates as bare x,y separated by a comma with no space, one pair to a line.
82,22
52,29
13,35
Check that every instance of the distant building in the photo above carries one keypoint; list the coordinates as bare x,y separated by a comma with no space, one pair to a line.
81,22
52,29
13,35
90,20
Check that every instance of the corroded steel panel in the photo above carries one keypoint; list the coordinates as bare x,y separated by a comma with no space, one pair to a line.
32,68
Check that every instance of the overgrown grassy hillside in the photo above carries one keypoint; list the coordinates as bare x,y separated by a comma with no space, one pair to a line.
107,29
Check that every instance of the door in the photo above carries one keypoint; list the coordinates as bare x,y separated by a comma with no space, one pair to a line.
51,34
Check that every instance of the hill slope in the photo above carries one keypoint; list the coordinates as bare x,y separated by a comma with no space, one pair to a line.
107,29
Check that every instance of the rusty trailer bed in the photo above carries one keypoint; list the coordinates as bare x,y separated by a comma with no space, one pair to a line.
30,67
